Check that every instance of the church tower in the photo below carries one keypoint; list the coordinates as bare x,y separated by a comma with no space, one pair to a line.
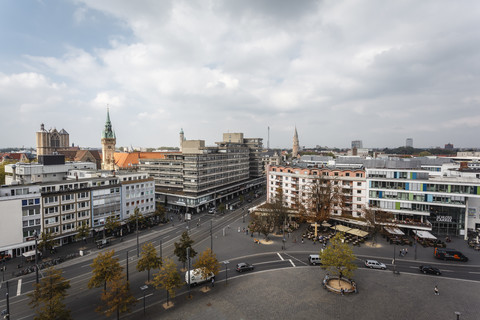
182,138
295,144
108,145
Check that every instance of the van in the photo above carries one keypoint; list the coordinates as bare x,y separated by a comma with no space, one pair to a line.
314,259
449,254
196,277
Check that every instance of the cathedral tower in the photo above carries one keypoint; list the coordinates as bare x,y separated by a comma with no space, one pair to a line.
295,144
108,145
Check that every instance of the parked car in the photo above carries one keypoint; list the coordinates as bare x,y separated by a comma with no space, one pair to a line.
243,266
430,270
374,264
211,210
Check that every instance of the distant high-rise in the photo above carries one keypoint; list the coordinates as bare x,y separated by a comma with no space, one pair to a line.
409,142
295,144
108,145
357,144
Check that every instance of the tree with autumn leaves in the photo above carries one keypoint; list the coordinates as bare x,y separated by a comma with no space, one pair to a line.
168,278
338,257
118,298
48,295
148,259
207,262
107,270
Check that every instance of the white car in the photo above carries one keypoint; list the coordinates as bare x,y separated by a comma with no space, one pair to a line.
374,264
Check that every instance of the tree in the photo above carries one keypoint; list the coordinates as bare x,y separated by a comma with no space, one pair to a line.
168,278
105,268
181,248
149,259
46,241
424,154
222,208
277,209
118,298
262,223
207,262
159,213
132,219
48,295
112,224
338,257
376,220
322,197
83,231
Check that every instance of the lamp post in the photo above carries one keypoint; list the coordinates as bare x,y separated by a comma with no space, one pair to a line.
458,315
243,214
138,245
7,316
393,261
226,262
415,245
189,272
144,288
36,256
3,269
126,265
211,235
161,250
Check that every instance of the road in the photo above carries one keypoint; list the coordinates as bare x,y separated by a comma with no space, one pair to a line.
237,248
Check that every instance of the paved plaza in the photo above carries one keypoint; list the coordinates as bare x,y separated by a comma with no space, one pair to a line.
296,293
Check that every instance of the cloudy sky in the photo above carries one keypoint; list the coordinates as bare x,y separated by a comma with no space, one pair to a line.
379,71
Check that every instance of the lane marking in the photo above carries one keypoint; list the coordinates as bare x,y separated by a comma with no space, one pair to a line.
293,264
474,272
265,262
280,256
19,287
296,259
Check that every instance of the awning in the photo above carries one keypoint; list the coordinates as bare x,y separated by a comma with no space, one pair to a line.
393,230
340,228
358,232
29,254
424,234
326,224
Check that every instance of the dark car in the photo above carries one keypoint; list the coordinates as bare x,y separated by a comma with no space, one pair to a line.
430,270
243,266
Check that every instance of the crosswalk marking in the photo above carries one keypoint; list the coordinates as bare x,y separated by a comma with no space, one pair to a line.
280,256
19,287
293,264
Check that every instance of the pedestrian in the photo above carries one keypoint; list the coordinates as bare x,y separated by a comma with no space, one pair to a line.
213,282
436,291
342,291
302,240
400,253
406,251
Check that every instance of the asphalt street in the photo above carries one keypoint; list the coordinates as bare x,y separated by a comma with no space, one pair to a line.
231,244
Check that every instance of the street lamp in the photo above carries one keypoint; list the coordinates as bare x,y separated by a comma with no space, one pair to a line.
144,288
138,245
36,255
189,272
243,214
126,263
458,315
226,262
211,235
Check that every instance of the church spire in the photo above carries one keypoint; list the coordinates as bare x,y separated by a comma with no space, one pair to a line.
295,144
108,131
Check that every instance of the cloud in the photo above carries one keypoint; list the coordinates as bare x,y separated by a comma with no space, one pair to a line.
340,70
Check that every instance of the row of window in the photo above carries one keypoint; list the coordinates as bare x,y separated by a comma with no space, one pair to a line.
30,202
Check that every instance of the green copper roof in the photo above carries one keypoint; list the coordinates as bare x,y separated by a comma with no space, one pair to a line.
108,131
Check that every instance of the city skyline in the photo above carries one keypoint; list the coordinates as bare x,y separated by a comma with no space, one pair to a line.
338,71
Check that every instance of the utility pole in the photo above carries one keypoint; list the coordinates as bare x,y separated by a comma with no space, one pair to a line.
161,250
36,256
138,245
211,235
189,272
126,263
7,316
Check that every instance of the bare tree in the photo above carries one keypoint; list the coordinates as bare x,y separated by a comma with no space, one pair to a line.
277,210
377,219
322,197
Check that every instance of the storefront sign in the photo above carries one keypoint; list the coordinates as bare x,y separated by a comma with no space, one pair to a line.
472,212
444,218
